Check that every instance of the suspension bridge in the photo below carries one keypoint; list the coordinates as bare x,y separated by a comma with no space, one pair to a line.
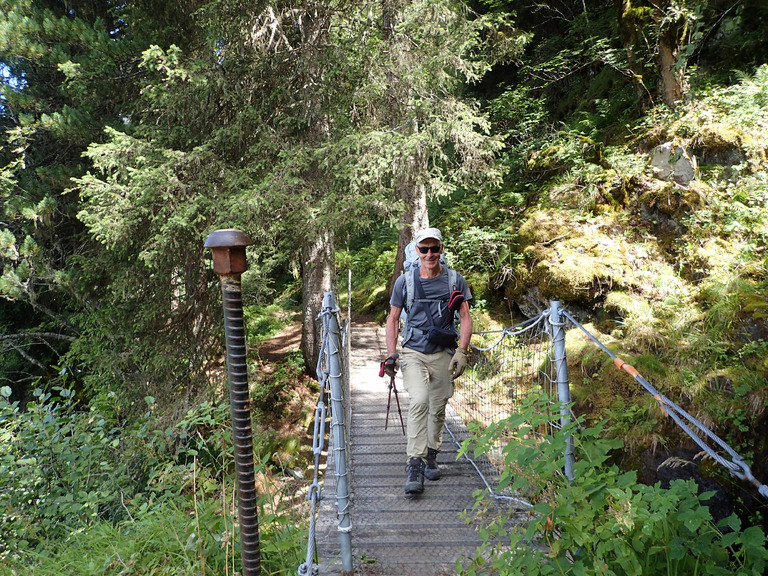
362,522
392,534
370,526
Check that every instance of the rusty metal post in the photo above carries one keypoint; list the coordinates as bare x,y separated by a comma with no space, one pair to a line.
229,262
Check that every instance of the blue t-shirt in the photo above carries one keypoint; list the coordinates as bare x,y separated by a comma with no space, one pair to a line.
434,289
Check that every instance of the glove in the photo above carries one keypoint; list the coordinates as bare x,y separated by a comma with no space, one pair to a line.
389,366
458,363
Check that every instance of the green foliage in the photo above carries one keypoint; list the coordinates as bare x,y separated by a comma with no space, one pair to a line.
60,468
483,249
517,114
602,522
162,539
263,321
198,539
67,72
634,423
149,277
268,387
372,265
312,123
86,492
691,288
486,256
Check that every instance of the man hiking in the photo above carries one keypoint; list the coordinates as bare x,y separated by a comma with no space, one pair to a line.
431,357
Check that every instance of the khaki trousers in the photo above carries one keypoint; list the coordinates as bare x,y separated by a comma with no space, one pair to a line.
429,385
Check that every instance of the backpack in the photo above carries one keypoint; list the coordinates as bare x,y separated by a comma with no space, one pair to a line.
412,262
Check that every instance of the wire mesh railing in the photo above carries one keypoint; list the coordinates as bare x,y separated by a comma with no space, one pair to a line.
528,359
703,437
505,368
333,375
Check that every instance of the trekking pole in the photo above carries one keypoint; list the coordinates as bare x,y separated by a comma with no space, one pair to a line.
397,399
389,395
389,401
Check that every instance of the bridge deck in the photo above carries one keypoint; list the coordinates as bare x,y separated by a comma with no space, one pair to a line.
392,534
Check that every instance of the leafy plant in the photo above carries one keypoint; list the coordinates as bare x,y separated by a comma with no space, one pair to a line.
59,468
82,491
264,320
602,522
268,387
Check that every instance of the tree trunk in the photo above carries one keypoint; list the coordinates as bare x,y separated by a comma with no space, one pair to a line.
634,28
415,217
318,274
409,183
671,79
628,33
669,86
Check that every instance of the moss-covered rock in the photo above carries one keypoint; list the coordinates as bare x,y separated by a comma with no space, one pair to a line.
713,257
630,316
719,143
711,142
597,264
674,200
620,306
665,205
547,162
568,260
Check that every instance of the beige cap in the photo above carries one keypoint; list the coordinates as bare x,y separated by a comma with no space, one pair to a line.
429,233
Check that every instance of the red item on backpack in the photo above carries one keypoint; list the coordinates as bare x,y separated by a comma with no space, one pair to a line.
455,300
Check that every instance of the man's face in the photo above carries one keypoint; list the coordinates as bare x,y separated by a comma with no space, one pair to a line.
430,260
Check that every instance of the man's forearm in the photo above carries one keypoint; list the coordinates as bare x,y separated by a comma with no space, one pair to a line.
465,334
392,328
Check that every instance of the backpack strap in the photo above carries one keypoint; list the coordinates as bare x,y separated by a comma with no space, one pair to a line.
412,276
412,285
410,289
423,299
451,280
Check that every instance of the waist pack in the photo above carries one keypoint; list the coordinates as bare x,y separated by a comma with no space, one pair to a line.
443,337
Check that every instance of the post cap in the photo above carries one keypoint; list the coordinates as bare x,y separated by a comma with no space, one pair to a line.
228,247
227,238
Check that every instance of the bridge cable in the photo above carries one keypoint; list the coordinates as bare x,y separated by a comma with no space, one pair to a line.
736,466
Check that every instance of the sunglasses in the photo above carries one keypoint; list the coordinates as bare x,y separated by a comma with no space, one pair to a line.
433,249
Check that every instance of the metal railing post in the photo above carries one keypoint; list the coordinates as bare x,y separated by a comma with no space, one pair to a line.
229,262
349,295
563,389
339,437
348,355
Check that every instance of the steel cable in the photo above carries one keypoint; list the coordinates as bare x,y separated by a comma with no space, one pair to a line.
737,466
499,377
315,493
515,330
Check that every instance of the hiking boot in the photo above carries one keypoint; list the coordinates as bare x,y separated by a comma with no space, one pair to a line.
432,471
415,482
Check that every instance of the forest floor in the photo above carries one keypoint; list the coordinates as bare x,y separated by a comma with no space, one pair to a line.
283,399
273,350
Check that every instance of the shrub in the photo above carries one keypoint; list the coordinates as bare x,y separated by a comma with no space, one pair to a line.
603,522
59,469
83,492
